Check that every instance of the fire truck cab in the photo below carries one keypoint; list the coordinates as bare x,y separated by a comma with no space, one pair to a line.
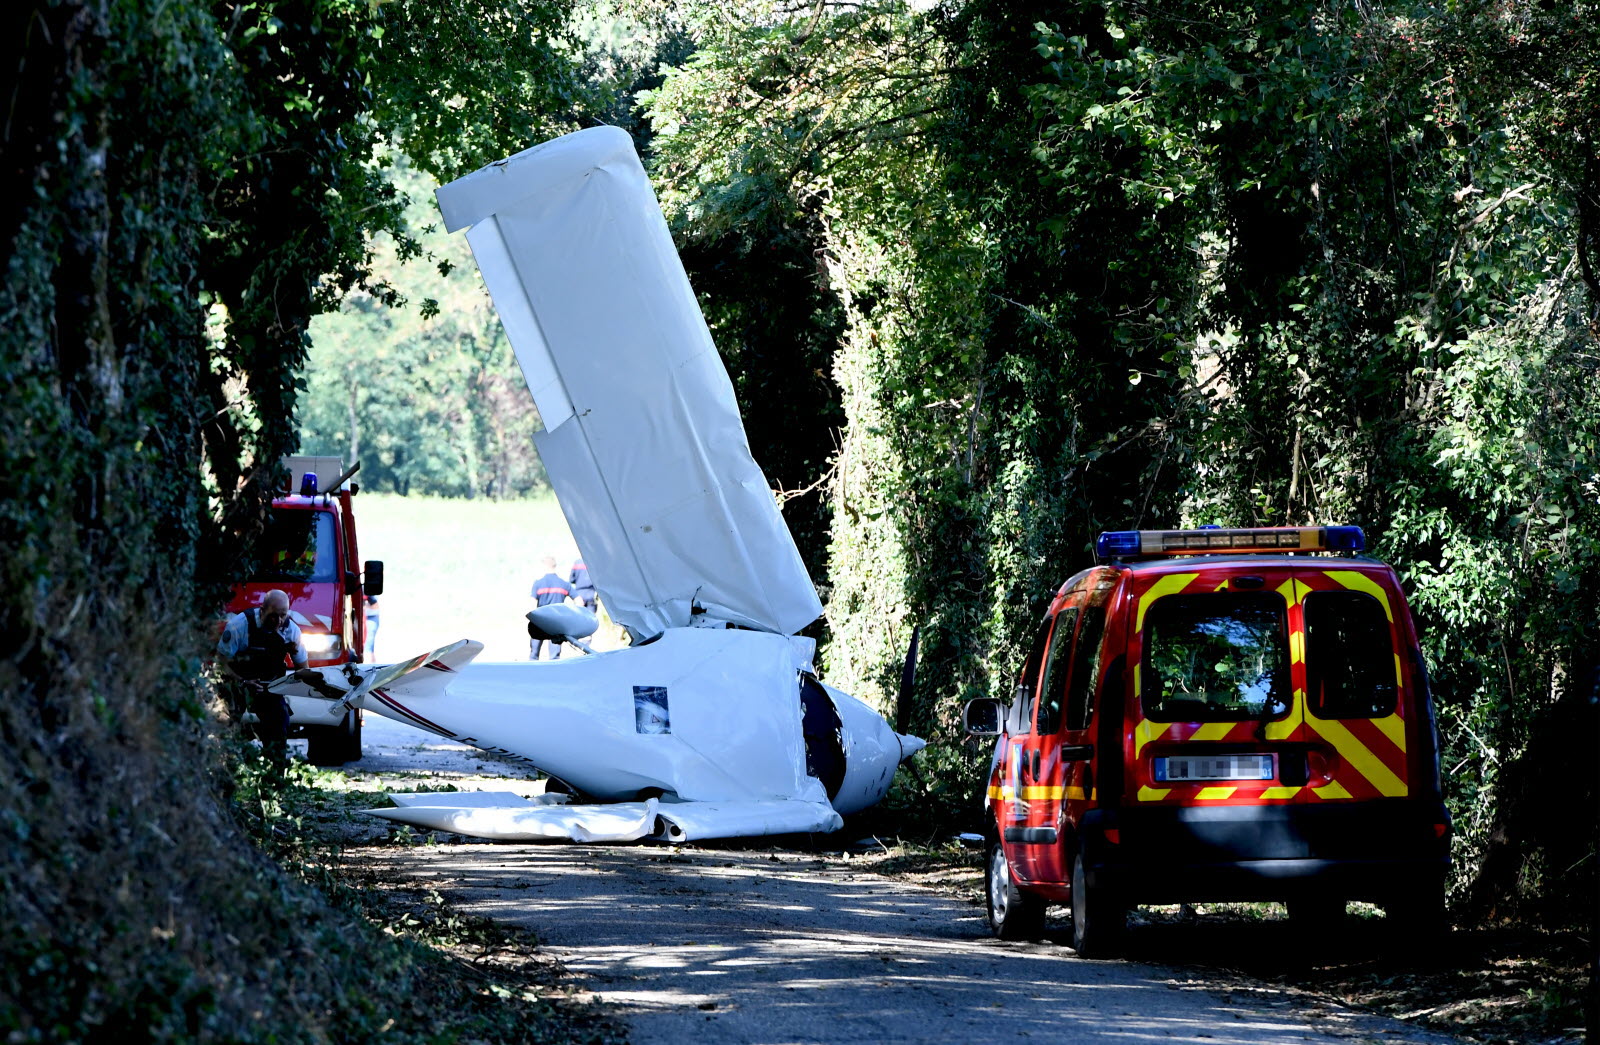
309,552
1214,715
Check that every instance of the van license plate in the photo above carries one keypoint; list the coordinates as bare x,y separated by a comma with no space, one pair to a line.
1213,767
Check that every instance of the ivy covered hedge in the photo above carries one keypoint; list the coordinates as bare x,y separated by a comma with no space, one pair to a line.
184,186
1115,265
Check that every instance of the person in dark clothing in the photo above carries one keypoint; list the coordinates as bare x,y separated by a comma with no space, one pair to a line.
253,647
582,585
550,590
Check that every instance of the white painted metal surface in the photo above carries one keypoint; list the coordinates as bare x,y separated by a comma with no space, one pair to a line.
708,720
699,729
643,440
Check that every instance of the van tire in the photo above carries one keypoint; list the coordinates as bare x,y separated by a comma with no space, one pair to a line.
1098,918
1013,914
335,745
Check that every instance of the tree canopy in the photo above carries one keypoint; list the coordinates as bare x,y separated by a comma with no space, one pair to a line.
1112,265
989,277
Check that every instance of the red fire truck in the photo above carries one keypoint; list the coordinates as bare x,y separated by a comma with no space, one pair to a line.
309,552
1217,715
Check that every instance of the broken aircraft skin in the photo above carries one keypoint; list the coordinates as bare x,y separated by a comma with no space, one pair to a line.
712,724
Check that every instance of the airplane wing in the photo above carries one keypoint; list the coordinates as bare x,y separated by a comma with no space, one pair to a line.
505,817
643,441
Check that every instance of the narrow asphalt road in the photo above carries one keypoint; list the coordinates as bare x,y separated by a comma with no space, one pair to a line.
749,945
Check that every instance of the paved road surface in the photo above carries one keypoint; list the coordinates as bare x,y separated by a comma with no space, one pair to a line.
758,947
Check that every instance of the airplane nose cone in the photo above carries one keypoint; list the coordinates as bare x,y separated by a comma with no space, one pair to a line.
909,745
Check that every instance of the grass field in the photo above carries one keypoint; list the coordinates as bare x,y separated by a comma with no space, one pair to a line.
459,569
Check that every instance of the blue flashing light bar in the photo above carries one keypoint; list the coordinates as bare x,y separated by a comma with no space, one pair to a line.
1123,544
308,484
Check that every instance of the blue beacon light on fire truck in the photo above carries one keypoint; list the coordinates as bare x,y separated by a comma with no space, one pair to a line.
1122,544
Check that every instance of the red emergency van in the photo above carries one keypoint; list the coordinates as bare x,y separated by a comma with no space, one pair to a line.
309,551
1216,715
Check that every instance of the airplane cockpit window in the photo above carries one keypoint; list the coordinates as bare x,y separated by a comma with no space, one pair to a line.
298,546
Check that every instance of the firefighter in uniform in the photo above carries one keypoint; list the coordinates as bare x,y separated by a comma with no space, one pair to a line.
550,590
252,647
582,585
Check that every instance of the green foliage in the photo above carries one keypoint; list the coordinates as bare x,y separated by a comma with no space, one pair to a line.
186,185
1146,264
430,400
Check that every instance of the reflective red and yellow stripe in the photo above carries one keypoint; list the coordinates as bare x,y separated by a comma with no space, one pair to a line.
1365,758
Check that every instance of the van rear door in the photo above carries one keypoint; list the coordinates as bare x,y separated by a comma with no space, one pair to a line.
1359,683
1266,682
1218,707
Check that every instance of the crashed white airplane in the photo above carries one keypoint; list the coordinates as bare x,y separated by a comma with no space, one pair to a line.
712,723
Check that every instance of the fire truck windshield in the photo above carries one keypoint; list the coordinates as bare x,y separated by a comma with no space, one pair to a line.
1216,657
298,545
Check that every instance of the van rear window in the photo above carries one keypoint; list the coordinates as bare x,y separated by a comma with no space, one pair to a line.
1216,657
1350,661
298,546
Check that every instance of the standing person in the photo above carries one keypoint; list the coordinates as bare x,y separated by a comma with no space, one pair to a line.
252,647
582,586
372,629
550,590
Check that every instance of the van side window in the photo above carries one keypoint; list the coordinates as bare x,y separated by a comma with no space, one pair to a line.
1350,660
1216,658
1085,667
1020,715
1053,692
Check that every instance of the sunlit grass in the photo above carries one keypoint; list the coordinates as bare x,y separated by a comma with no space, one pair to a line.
459,569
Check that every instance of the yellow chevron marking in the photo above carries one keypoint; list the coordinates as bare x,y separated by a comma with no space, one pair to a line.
1147,731
1297,647
1362,583
1332,790
1280,792
1280,729
1215,792
1153,794
1212,731
1168,585
1393,727
1355,752
1292,591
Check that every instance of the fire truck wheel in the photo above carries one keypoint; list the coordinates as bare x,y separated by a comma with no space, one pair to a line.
1013,914
1098,918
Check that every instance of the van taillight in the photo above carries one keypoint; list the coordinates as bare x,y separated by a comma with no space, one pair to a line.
1114,836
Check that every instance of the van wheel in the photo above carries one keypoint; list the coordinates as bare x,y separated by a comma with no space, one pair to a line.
1098,918
335,745
1013,914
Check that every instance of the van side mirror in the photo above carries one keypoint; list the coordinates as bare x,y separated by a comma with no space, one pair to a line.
982,717
374,577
